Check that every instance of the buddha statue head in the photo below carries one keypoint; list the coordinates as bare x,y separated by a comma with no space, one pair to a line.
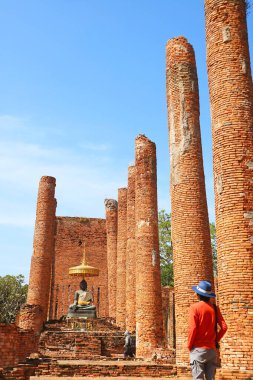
83,285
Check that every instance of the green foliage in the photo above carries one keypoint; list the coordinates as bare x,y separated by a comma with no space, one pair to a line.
166,259
214,247
13,293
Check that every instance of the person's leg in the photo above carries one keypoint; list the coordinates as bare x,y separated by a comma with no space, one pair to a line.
211,365
197,364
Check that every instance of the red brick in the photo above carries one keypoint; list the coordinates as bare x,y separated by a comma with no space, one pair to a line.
192,254
121,258
149,318
43,246
231,97
111,207
130,253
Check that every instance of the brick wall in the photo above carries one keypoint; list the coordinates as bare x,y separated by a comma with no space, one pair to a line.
111,209
192,257
130,252
149,319
15,344
230,88
71,233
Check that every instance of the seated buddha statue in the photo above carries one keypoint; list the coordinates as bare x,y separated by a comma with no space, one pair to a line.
83,303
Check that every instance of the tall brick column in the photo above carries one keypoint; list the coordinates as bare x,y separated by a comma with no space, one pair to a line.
230,88
121,258
149,318
192,258
111,207
43,246
130,252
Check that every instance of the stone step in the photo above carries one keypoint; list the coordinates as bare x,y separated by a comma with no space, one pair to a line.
105,368
103,378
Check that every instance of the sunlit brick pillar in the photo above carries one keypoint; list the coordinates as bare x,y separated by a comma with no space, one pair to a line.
149,317
230,87
130,252
43,246
111,207
121,258
192,257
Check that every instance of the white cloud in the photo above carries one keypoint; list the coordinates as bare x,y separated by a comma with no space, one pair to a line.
8,122
83,180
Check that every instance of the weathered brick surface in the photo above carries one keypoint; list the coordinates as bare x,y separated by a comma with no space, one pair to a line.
111,207
43,246
19,372
121,258
130,252
230,87
15,344
106,368
192,257
71,235
30,317
168,303
69,345
79,339
149,319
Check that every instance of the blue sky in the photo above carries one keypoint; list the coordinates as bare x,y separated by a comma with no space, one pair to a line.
79,80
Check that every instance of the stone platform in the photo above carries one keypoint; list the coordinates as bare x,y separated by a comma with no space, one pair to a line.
83,349
105,368
101,378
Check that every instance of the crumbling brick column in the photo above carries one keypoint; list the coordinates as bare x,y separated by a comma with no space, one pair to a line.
192,257
130,252
149,317
30,317
121,258
43,246
111,207
230,88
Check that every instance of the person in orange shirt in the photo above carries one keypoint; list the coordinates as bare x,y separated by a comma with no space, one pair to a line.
203,336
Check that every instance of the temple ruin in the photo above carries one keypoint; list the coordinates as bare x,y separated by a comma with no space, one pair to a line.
124,246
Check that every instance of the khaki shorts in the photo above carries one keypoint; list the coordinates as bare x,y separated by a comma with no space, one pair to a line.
203,363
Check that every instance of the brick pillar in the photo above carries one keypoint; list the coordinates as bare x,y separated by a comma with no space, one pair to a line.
231,97
43,246
111,207
192,257
130,252
149,318
121,258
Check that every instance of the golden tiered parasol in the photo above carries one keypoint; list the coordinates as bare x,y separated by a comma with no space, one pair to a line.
84,269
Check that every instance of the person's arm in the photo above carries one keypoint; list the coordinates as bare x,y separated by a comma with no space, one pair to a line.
222,324
192,328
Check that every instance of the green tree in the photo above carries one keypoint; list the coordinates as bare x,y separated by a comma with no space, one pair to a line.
13,293
214,247
166,260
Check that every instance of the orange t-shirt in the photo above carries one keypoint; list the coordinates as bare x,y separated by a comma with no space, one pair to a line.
202,326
